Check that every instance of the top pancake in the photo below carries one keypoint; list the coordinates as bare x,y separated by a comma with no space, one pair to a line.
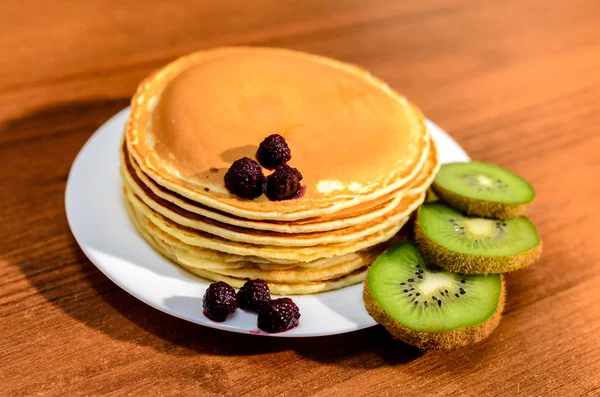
353,139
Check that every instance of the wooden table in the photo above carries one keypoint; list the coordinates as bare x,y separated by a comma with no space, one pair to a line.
515,82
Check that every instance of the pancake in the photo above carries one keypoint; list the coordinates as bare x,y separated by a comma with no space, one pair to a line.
195,257
158,225
353,138
323,263
275,288
289,289
292,275
348,217
233,233
296,275
155,196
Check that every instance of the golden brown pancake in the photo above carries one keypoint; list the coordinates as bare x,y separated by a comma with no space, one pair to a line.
275,288
233,233
158,198
162,227
352,137
364,212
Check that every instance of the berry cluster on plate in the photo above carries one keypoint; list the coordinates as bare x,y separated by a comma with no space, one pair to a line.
274,315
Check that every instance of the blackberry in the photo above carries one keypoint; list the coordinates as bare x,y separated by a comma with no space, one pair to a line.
219,301
245,178
283,184
279,315
253,295
273,151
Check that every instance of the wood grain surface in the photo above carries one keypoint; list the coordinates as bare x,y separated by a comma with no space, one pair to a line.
516,82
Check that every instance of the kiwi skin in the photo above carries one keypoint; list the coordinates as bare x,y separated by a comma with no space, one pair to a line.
456,262
482,208
450,340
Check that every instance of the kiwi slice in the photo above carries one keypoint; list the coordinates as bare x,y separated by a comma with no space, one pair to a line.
483,189
430,308
471,245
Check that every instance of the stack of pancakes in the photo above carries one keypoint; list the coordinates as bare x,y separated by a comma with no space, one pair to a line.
364,151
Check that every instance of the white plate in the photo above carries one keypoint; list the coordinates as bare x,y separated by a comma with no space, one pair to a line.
101,226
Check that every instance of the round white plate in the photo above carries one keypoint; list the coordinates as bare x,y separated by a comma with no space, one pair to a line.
100,224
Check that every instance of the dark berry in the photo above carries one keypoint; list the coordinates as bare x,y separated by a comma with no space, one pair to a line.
279,315
253,295
283,184
245,178
273,151
219,301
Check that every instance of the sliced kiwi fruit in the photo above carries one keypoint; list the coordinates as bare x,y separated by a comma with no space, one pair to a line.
482,189
427,307
473,245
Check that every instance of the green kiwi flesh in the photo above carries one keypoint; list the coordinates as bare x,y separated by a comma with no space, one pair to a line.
482,189
427,307
473,245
